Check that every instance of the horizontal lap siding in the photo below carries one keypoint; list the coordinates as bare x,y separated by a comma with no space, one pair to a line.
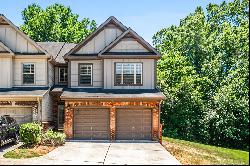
40,71
47,106
97,73
148,73
5,72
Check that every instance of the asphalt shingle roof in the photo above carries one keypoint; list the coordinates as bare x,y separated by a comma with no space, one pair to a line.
57,49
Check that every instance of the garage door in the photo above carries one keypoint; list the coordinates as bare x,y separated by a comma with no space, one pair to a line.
133,124
91,124
21,114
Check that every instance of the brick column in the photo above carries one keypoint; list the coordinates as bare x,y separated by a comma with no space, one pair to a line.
155,129
112,123
68,123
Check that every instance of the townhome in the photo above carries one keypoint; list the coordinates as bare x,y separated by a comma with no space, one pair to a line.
26,75
103,88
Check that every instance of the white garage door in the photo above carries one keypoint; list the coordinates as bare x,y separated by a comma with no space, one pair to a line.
21,114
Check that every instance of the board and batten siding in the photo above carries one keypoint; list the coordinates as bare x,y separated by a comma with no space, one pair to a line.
148,69
97,79
40,71
6,72
15,41
99,42
47,105
128,45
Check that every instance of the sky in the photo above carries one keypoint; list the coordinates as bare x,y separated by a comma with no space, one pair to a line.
146,17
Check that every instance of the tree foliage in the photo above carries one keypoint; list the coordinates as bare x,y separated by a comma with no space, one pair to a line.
204,74
55,23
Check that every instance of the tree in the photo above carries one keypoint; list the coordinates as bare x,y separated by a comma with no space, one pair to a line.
215,45
56,23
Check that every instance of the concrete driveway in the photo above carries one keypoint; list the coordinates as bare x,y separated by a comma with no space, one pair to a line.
102,153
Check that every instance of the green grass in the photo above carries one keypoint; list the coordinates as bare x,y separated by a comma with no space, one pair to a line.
21,153
28,151
195,153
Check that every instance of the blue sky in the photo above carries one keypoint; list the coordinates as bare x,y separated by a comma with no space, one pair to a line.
146,17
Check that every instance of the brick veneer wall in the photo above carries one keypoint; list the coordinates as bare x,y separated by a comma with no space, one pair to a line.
70,105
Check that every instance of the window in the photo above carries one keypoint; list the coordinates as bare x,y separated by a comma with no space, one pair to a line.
85,74
128,74
60,116
63,74
28,73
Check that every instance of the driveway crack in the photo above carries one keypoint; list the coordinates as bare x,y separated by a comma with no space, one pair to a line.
106,154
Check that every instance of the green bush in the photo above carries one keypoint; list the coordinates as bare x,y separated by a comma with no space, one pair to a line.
53,138
30,133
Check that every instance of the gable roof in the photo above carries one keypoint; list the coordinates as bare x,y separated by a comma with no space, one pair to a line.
57,49
111,19
139,39
5,21
2,45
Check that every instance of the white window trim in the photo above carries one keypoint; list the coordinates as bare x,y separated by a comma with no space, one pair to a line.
91,74
134,64
59,69
27,63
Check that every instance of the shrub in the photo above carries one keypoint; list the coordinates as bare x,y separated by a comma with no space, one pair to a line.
30,133
53,138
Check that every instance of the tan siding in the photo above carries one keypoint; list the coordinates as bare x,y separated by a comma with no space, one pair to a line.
40,71
148,74
47,105
56,75
51,74
104,38
2,49
128,46
15,41
97,72
5,72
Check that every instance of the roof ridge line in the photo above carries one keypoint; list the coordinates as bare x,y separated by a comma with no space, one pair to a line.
124,33
96,32
60,50
144,43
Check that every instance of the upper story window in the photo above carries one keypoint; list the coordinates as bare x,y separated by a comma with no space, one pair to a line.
85,74
28,73
128,74
63,74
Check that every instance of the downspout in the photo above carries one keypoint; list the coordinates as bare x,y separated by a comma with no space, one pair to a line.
160,127
39,109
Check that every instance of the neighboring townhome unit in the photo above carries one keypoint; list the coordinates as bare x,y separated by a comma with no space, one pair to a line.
112,92
26,75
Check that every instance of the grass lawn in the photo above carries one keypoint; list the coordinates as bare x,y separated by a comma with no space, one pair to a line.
28,152
195,153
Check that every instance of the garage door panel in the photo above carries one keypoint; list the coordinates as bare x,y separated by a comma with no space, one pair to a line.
91,124
133,124
20,114
100,135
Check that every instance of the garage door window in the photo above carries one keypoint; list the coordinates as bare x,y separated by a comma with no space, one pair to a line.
28,73
128,74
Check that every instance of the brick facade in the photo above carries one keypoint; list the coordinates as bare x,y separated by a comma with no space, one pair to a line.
70,105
